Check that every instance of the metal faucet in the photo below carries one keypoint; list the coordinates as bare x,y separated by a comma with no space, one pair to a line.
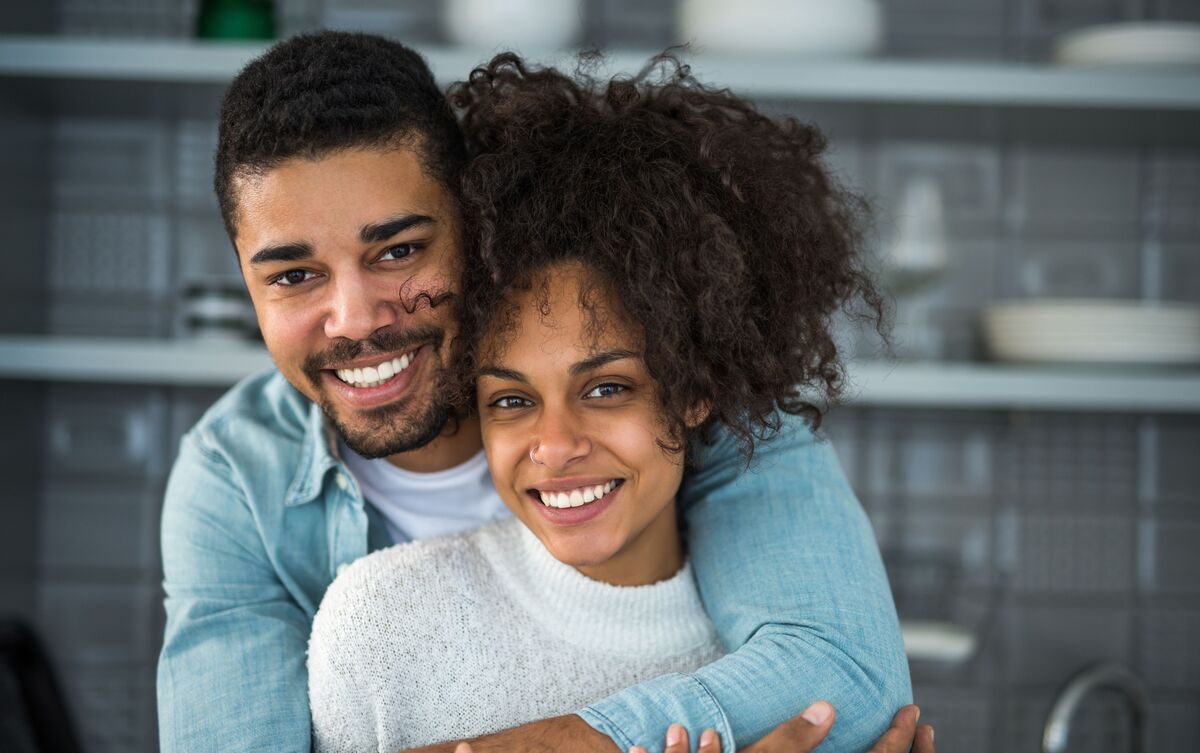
1114,676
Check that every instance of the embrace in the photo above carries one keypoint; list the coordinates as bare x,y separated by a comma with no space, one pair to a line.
536,468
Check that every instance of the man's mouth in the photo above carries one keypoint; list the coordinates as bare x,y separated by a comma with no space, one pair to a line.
564,498
375,375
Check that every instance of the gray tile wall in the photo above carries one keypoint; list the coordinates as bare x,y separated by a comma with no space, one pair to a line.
1061,539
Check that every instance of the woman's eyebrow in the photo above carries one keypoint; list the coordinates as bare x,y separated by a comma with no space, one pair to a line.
600,359
501,373
582,367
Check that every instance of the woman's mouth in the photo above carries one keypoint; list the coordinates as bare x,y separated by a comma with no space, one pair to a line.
578,497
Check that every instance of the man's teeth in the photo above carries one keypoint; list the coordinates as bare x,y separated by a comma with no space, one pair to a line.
373,376
576,497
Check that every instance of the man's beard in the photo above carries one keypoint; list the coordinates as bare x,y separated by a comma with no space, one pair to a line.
387,431
387,434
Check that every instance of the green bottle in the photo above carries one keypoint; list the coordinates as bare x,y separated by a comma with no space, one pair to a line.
236,19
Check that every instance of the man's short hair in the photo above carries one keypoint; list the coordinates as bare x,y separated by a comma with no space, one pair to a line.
322,92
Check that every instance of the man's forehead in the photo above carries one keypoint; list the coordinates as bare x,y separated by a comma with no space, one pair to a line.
343,192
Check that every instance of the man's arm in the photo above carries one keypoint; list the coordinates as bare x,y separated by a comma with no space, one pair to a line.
231,675
791,576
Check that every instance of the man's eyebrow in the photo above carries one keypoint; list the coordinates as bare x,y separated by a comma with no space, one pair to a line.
282,252
600,359
381,231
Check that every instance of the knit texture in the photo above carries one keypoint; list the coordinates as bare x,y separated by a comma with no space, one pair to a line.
455,637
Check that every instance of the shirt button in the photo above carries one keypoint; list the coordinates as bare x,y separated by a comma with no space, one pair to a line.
342,482
341,568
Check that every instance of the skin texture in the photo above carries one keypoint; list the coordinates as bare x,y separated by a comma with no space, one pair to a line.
333,298
549,425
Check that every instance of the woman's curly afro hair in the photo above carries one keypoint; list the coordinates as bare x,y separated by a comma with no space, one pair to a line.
716,228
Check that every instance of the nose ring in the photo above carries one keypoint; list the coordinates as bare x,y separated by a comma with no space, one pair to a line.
534,460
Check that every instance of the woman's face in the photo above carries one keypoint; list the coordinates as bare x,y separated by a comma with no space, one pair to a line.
571,429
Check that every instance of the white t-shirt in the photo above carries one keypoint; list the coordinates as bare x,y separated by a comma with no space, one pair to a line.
424,505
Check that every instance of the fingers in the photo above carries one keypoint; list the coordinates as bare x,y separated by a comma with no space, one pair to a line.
900,735
799,734
677,739
924,741
710,742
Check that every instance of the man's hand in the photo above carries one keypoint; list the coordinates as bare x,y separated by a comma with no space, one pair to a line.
802,734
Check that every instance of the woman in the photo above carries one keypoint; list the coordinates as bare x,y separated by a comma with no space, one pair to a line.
653,260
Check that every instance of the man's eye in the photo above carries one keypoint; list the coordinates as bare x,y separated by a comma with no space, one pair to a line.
510,402
291,277
398,251
608,389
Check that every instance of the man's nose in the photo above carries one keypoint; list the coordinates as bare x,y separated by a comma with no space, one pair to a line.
358,309
560,441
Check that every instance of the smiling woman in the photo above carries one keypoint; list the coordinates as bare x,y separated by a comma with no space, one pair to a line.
568,411
648,261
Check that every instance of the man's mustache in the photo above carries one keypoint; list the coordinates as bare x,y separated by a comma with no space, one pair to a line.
381,342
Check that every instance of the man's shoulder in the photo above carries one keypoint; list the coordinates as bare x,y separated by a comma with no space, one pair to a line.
263,406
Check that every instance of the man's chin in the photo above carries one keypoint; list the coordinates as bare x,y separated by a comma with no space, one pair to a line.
390,430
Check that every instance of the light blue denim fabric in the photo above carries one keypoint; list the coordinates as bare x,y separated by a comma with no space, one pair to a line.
259,515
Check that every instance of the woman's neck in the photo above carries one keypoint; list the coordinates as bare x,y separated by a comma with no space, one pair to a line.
654,555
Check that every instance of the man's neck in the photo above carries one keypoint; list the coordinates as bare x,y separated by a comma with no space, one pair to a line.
455,446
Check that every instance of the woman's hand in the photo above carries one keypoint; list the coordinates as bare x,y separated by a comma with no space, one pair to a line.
802,734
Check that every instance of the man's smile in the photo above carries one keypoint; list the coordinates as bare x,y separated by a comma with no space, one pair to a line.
375,374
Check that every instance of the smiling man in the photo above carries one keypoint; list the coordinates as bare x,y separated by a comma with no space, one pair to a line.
336,171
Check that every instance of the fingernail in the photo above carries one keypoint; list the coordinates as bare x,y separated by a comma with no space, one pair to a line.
817,713
931,734
708,738
674,734
918,708
463,748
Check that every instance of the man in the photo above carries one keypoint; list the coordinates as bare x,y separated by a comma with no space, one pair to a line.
336,172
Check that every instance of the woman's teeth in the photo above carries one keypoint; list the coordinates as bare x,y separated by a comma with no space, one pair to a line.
577,497
373,376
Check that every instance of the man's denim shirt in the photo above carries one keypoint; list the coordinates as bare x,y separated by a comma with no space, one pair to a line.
260,515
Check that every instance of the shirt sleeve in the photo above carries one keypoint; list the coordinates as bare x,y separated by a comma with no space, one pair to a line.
791,576
231,675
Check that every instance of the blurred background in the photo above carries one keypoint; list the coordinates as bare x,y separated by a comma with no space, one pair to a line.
1029,455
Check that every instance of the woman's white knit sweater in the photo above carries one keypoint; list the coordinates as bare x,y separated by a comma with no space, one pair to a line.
450,638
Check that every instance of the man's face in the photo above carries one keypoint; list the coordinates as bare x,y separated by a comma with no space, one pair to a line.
350,260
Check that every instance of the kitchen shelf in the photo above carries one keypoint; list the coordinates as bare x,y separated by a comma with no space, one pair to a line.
861,81
934,385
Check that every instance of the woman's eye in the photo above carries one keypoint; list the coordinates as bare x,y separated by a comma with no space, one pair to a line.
510,401
292,277
608,389
397,252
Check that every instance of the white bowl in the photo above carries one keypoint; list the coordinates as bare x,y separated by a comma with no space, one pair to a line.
776,27
516,24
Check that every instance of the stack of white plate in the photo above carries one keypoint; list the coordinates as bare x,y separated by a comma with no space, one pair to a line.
1140,44
1093,331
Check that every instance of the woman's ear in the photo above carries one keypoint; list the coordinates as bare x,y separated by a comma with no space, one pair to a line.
698,414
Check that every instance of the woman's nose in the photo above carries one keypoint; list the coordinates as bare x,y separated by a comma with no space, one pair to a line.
560,441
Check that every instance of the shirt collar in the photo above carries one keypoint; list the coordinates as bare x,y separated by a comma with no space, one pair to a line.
318,456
